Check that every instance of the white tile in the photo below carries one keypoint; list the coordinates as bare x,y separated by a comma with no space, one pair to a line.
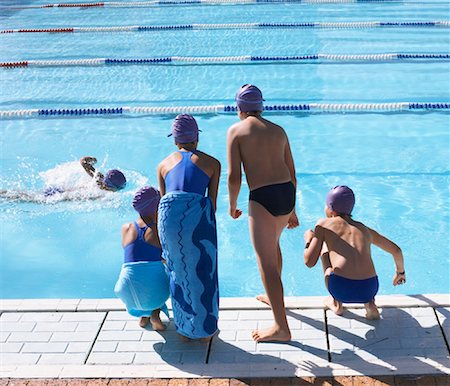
56,326
10,317
19,359
10,347
111,358
41,316
4,336
39,304
76,336
119,315
114,325
62,359
29,372
17,327
48,347
83,316
131,372
68,305
29,337
78,347
119,335
88,326
135,346
85,371
105,346
87,305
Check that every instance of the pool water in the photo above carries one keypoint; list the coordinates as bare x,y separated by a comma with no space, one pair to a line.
397,163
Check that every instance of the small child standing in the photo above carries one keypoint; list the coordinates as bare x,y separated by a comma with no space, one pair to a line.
143,284
343,245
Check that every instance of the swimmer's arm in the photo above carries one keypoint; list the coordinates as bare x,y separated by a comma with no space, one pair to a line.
293,219
125,231
392,248
313,248
234,172
87,163
213,186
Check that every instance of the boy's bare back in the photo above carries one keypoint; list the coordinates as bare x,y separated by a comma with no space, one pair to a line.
348,244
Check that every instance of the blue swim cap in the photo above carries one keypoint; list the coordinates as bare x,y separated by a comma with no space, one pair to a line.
52,190
115,179
341,199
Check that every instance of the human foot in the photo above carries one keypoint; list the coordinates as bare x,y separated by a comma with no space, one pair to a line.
334,305
143,321
263,298
156,322
371,311
272,334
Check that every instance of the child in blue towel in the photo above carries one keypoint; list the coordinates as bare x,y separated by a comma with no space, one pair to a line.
344,247
143,283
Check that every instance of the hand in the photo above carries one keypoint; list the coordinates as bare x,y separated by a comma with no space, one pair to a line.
293,221
399,279
308,236
234,212
89,160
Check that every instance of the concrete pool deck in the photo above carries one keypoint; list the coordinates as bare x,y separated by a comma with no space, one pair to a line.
96,338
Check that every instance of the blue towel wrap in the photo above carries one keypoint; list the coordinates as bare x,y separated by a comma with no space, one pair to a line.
187,230
144,287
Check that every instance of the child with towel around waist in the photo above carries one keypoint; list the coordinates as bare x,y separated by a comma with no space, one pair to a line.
344,247
143,284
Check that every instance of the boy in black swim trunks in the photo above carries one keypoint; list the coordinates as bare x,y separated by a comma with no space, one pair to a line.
262,148
344,247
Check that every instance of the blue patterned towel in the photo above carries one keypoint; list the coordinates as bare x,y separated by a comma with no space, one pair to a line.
187,230
143,286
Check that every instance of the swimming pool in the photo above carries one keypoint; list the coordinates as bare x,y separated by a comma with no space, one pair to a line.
397,162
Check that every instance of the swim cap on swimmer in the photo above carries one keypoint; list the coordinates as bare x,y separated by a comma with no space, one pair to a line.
249,98
114,179
184,129
341,199
146,200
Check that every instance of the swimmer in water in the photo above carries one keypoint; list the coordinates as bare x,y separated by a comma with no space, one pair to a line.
113,181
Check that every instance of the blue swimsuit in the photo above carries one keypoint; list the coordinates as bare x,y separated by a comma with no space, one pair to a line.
351,290
186,176
140,250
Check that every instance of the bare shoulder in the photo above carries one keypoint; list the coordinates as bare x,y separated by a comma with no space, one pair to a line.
127,228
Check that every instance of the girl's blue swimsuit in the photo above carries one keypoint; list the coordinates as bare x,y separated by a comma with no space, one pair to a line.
140,250
352,291
186,176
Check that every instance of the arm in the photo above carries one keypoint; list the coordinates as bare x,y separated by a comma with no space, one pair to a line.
213,186
293,219
234,172
161,182
88,165
392,248
313,247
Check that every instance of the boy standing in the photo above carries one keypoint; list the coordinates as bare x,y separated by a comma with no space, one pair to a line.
344,247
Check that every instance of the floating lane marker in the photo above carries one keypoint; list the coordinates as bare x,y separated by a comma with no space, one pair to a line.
300,25
315,58
226,109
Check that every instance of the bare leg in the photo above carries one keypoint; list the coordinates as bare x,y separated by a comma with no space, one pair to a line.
143,321
263,297
329,302
371,310
156,322
265,231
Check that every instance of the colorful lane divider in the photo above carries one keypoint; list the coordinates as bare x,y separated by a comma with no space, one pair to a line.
226,109
316,58
133,4
300,25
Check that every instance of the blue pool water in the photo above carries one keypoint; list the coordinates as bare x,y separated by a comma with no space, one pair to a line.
397,163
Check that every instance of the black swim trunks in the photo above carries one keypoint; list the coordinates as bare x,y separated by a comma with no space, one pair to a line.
278,199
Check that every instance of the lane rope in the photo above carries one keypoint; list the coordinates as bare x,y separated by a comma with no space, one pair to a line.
314,58
179,27
226,109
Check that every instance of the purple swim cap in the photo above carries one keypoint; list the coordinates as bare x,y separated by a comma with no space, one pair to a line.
184,129
341,199
114,179
249,98
146,200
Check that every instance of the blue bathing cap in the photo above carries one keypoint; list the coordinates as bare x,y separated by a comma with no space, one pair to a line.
115,179
341,199
249,98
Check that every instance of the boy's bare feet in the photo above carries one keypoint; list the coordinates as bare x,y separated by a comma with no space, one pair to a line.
272,334
143,321
371,311
156,322
334,305
263,298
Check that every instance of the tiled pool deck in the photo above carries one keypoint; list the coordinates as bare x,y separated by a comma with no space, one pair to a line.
90,338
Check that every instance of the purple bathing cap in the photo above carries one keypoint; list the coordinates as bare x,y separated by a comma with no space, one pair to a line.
249,98
146,200
115,179
341,199
184,129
